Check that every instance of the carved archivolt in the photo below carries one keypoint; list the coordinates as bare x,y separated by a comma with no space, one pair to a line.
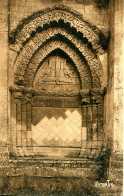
33,41
44,18
45,51
28,76
39,40
33,46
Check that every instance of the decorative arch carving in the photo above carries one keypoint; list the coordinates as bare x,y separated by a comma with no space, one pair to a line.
33,41
59,15
39,40
45,51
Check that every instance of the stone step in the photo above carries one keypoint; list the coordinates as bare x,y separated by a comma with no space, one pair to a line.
117,190
111,194
80,163
23,185
37,185
117,181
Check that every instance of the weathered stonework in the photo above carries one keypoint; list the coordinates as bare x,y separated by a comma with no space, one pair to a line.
35,158
32,46
56,14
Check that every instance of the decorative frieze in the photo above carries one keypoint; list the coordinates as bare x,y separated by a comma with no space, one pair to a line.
87,96
53,101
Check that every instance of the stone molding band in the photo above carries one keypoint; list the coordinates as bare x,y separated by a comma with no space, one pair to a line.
92,96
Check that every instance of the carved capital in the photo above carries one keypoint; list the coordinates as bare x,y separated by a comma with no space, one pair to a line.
91,96
17,97
16,88
27,97
96,96
85,96
21,94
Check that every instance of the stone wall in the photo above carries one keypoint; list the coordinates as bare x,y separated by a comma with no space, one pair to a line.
118,76
114,97
87,8
3,74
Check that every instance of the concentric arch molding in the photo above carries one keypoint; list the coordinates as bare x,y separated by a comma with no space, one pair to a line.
58,13
32,47
35,63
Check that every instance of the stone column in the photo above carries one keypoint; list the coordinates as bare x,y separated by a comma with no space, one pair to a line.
18,123
85,99
26,122
114,96
28,118
90,100
29,144
20,129
23,127
118,75
97,97
15,121
83,153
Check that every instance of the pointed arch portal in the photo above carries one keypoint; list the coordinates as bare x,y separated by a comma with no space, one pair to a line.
57,91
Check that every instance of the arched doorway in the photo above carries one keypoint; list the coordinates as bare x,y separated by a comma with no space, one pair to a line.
57,92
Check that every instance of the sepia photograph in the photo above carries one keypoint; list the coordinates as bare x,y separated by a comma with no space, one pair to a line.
61,97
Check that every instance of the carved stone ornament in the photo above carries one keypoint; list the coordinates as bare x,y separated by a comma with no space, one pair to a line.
17,97
96,96
91,96
21,94
57,14
85,96
27,97
39,53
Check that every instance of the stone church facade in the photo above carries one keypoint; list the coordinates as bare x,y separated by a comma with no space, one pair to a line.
61,97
